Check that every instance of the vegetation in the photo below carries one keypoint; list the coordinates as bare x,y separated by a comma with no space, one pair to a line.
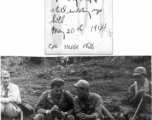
109,76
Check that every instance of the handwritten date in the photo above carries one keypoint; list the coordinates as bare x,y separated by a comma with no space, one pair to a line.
56,30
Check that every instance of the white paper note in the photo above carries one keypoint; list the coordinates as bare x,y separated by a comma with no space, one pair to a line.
82,27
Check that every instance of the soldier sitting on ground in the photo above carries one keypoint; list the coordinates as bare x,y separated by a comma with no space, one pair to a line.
56,103
141,89
10,96
88,105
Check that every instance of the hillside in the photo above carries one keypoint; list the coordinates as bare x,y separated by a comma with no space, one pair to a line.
110,77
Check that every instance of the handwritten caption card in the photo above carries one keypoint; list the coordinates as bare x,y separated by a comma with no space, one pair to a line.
78,27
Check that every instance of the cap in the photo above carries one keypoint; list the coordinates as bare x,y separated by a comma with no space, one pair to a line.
139,70
5,73
82,84
57,80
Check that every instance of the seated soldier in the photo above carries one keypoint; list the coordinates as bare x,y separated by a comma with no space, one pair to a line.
87,105
56,100
10,96
141,89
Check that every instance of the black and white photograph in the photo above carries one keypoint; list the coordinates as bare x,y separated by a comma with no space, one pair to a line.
76,88
75,60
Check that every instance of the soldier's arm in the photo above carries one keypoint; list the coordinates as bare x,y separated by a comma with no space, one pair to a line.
149,96
40,107
77,107
70,104
70,112
132,97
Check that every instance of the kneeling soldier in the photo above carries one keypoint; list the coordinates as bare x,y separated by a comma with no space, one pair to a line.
56,103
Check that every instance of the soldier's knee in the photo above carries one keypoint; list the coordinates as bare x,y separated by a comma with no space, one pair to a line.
2,108
70,117
39,117
12,110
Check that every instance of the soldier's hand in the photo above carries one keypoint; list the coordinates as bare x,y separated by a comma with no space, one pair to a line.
64,114
82,116
142,93
48,111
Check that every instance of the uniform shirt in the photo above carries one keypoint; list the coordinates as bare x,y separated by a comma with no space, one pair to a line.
91,106
133,90
13,94
46,101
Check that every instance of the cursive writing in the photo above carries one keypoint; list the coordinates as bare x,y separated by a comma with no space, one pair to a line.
52,46
97,11
88,45
60,19
74,47
58,9
56,30
98,27
80,1
78,10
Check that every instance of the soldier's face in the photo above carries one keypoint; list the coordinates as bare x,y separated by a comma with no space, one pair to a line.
5,80
139,78
57,91
80,92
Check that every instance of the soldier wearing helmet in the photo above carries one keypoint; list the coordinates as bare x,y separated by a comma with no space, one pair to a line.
141,89
88,105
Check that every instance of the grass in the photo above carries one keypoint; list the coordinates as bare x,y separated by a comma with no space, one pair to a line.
108,79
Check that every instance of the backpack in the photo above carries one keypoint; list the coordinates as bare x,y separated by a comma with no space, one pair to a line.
26,108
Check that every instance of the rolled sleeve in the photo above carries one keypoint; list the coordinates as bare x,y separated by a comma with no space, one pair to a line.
41,102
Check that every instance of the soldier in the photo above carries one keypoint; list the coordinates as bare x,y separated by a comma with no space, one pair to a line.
88,105
141,89
55,103
10,96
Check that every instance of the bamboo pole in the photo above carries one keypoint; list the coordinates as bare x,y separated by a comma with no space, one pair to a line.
137,109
